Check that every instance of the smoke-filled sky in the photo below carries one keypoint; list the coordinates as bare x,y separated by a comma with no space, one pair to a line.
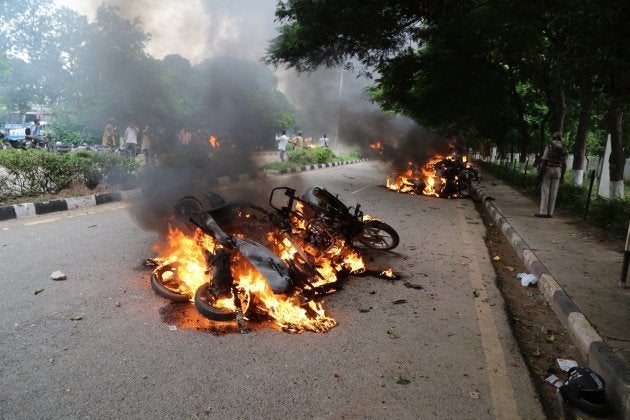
196,29
327,101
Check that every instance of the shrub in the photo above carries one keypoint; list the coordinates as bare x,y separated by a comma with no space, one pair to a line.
572,198
303,157
610,215
4,187
94,166
323,155
353,154
34,172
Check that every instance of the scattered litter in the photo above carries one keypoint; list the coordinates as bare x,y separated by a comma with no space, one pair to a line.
550,338
172,327
527,279
399,301
555,381
117,304
58,275
38,291
76,318
412,285
387,274
496,258
509,268
391,335
361,310
566,364
476,293
150,262
474,394
400,380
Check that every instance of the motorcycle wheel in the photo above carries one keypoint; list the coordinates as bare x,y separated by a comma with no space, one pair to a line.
378,235
205,303
187,207
168,285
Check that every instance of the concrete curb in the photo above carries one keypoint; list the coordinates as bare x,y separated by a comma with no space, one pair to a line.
25,210
598,354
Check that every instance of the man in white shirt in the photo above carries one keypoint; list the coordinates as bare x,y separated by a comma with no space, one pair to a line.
323,141
131,139
282,140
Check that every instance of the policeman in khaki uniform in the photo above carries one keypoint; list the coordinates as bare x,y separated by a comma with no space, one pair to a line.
552,168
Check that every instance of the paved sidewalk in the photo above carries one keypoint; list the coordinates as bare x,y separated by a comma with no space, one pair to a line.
578,273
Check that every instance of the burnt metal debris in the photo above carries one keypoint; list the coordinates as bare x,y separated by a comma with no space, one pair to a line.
445,177
303,249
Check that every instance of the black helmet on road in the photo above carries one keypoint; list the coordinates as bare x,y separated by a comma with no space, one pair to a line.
586,390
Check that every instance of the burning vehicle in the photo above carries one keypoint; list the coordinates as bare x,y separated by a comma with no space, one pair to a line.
442,176
237,260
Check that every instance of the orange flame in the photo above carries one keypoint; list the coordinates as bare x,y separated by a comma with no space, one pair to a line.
214,142
189,253
426,176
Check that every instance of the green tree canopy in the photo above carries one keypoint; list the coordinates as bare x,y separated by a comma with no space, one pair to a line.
505,70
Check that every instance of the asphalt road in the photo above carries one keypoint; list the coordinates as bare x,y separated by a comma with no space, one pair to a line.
101,344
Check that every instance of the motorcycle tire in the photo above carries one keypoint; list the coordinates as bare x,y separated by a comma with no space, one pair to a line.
168,287
187,207
205,306
378,235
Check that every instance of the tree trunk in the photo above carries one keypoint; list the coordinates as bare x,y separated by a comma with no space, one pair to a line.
542,130
522,126
560,110
617,158
584,126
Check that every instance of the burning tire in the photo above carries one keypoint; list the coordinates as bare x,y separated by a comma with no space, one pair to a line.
186,207
206,304
378,235
166,283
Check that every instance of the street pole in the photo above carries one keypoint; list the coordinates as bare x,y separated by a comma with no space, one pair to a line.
338,112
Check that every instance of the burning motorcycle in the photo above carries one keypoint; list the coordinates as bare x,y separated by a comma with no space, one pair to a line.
324,219
441,177
242,259
240,275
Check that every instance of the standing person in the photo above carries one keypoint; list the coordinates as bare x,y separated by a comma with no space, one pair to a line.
323,141
131,139
146,145
184,137
551,169
110,135
282,140
37,129
298,141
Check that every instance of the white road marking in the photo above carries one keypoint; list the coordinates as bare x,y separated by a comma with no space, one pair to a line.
359,190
